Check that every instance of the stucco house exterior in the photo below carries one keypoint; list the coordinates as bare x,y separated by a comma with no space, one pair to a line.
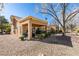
20,25
52,27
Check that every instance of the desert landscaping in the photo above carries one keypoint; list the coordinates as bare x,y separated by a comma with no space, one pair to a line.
11,45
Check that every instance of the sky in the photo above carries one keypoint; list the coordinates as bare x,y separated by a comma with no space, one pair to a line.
27,9
22,10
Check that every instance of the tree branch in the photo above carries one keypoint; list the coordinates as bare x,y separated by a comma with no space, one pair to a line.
50,11
71,14
54,12
53,17
70,18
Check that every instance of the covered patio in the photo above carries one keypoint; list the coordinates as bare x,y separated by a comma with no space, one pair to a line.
27,24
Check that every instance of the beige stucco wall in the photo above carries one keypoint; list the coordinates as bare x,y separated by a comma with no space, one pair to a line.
27,25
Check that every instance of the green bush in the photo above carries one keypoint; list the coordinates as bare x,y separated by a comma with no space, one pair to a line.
38,31
22,38
42,36
8,30
24,34
78,31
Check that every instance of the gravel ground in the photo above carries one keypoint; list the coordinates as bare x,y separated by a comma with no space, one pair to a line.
10,45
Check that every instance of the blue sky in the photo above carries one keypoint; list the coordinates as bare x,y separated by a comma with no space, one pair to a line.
21,10
27,9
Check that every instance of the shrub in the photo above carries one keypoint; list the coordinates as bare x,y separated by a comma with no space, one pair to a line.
24,34
60,31
48,34
33,34
40,36
38,31
22,38
78,31
43,35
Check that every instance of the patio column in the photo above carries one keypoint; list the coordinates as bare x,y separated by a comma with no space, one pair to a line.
18,30
12,29
21,30
29,30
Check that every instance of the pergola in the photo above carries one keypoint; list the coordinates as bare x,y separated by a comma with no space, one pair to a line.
20,25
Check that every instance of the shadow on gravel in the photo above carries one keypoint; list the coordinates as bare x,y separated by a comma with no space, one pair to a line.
63,40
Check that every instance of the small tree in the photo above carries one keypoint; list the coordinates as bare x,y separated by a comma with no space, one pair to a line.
72,26
7,28
4,24
2,19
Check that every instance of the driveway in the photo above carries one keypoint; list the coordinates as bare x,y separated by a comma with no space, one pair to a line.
10,45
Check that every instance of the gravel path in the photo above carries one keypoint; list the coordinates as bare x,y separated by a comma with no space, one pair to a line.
12,46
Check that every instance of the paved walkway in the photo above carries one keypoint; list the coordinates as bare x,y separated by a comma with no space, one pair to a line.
11,45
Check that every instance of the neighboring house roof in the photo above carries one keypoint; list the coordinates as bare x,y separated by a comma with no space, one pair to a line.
77,28
52,26
16,17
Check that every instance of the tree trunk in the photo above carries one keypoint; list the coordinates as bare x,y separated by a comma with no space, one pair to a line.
63,11
64,30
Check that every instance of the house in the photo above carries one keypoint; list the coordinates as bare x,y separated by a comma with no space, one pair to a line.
20,25
76,29
52,27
